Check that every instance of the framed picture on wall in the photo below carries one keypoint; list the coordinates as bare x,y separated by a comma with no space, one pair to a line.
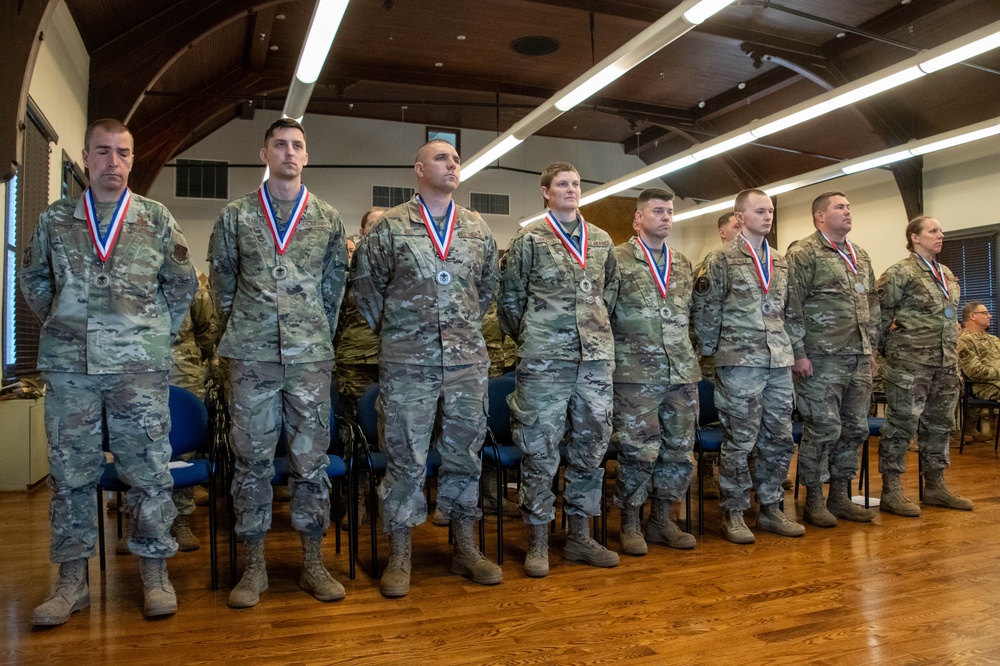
452,136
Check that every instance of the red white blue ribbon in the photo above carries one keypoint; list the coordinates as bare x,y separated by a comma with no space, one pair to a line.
442,239
938,274
579,252
763,267
851,260
660,276
281,240
105,243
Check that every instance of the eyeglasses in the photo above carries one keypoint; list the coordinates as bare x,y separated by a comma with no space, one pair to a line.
985,312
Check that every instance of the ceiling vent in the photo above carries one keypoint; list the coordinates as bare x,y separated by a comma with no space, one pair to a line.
535,45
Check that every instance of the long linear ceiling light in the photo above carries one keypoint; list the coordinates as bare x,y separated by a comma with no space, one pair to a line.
972,44
323,27
931,144
674,24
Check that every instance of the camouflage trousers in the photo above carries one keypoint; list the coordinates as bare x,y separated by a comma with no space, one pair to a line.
352,380
133,410
834,406
755,408
418,404
555,401
267,397
654,435
920,400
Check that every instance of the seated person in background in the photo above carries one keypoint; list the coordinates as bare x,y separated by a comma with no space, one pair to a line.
979,359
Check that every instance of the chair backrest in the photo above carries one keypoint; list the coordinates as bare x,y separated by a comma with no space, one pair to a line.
188,422
367,416
498,420
707,413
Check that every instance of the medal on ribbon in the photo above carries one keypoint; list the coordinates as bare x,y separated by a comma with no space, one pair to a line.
105,243
442,239
579,252
938,274
850,259
763,267
660,276
281,240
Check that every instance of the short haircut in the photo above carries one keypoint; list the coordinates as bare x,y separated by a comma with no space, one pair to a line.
367,223
724,219
915,226
742,197
968,308
556,167
823,200
109,125
416,158
282,123
651,193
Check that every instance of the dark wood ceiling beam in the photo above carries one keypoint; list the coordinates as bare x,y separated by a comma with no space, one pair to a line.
134,60
21,38
259,39
909,175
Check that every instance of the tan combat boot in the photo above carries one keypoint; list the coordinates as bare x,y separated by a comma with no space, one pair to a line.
536,561
70,594
181,530
735,529
247,592
466,560
121,546
893,500
816,512
840,505
937,494
773,519
631,537
580,547
315,579
709,484
396,577
158,593
663,530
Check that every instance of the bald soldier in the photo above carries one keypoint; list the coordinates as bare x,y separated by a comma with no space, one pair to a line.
424,279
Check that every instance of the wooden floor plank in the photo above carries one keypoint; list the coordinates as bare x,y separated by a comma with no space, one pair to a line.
899,591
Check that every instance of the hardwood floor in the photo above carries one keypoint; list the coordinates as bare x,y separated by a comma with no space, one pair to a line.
899,591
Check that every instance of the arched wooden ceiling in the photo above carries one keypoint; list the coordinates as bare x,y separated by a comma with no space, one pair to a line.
178,70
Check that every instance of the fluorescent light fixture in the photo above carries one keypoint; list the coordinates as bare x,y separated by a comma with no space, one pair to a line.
987,43
956,140
722,205
723,146
590,87
594,196
531,219
704,9
490,155
877,162
322,29
781,189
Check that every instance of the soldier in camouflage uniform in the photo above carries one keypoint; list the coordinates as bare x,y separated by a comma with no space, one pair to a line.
832,321
108,275
278,261
979,359
739,317
919,296
552,281
425,276
655,378
728,229
501,347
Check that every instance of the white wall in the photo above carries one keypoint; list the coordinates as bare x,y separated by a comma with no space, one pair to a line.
332,140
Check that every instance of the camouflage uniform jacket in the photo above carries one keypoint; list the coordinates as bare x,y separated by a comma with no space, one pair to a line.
979,356
542,304
195,342
355,340
425,310
706,363
911,298
826,315
126,326
651,332
729,310
288,319
501,347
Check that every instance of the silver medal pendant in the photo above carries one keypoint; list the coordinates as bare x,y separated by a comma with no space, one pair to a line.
279,272
101,280
766,307
859,287
443,277
586,285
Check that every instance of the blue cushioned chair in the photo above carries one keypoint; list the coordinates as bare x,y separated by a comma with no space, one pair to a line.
189,432
708,438
499,449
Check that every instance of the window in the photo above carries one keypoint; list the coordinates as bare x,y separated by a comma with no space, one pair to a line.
201,179
490,204
452,136
10,274
388,197
74,180
972,257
